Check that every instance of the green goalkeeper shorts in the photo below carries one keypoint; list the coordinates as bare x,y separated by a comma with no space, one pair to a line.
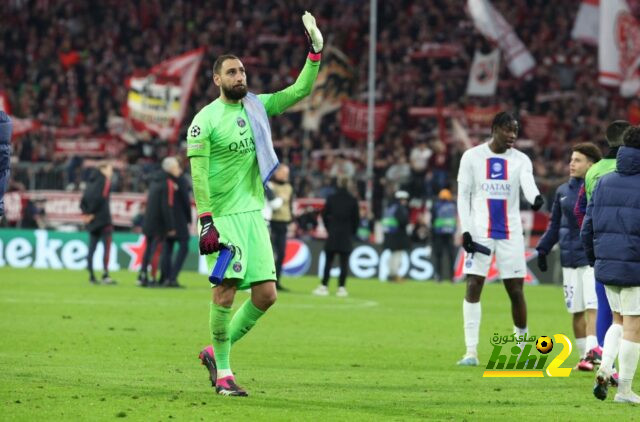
253,262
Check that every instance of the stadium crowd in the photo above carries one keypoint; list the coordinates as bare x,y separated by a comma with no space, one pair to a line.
65,63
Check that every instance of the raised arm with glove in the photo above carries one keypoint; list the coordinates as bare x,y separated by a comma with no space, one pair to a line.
314,36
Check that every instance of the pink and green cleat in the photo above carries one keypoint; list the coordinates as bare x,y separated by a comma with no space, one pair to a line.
207,359
227,387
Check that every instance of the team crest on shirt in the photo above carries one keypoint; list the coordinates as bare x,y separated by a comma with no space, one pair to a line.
237,266
194,131
241,122
496,168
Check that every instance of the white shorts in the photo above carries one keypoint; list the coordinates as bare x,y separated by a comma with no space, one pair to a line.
579,289
509,254
624,300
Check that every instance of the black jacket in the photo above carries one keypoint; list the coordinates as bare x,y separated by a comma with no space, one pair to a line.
341,216
182,208
159,217
95,200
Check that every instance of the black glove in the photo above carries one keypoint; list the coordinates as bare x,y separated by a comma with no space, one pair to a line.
537,203
542,261
209,236
467,242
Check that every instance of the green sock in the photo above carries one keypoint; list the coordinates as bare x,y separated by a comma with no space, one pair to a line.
243,320
219,317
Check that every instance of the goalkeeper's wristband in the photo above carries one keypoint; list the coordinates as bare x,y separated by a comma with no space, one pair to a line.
206,220
314,57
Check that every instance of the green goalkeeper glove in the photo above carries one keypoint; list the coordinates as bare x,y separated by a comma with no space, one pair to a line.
313,33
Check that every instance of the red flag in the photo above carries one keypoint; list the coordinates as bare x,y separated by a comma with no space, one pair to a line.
158,99
353,119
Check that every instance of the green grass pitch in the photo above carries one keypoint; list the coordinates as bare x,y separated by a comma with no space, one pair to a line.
73,351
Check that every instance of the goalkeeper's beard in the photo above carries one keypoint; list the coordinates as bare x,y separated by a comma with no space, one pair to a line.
235,93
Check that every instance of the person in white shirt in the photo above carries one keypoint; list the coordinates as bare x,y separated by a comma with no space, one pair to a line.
489,182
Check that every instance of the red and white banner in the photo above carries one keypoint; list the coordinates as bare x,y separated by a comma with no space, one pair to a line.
483,76
586,27
619,47
64,207
354,119
490,23
88,146
158,99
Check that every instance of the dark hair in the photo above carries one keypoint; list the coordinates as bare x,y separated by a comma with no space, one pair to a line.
589,150
217,66
632,137
503,119
615,132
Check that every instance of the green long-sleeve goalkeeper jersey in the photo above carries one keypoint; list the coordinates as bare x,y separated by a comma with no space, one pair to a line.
220,143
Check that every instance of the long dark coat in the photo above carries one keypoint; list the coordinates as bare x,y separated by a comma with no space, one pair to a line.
341,217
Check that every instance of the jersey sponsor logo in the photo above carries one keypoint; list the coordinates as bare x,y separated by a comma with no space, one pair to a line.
496,189
194,131
195,146
496,168
240,121
243,147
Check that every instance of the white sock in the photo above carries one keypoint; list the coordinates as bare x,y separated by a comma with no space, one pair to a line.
628,359
610,347
225,373
472,313
520,332
581,343
592,342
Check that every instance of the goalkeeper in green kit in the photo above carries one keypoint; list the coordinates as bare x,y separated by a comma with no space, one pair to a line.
231,152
